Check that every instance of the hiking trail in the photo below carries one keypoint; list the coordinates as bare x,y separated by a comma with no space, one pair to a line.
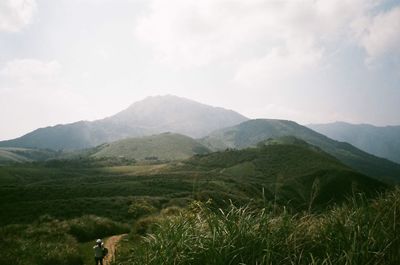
111,244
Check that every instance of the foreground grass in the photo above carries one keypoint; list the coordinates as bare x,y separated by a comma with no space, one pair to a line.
359,232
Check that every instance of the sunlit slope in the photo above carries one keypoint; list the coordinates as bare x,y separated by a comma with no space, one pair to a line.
165,147
251,132
11,155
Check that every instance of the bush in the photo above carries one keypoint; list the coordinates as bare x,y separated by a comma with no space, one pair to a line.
90,227
141,207
39,244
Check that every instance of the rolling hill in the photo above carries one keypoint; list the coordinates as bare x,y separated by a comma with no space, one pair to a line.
379,141
251,132
287,172
19,155
288,169
164,147
152,115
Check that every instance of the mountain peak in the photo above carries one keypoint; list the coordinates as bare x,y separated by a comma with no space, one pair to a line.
152,115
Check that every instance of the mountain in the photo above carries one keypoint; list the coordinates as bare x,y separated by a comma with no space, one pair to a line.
249,133
380,141
289,170
166,146
152,115
11,155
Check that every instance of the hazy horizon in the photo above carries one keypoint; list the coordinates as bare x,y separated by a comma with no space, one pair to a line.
308,61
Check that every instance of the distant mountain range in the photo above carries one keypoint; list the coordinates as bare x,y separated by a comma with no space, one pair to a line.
134,134
380,141
251,132
152,115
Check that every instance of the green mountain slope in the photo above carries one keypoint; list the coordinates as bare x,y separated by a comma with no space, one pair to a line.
11,155
380,141
251,132
288,169
150,116
290,173
166,146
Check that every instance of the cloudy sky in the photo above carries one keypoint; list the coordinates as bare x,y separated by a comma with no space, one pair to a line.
311,61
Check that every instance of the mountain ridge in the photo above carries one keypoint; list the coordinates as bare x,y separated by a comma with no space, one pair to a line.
151,115
251,132
382,141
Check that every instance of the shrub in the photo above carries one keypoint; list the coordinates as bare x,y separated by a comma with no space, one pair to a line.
40,244
141,207
90,227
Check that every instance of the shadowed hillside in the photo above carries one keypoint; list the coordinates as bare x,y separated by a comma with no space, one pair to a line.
380,141
251,132
290,170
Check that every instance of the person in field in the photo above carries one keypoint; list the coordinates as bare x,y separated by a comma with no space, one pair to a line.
99,252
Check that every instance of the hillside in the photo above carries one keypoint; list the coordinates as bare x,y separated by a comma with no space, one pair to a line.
164,147
150,116
289,170
251,132
379,141
11,155
57,206
299,176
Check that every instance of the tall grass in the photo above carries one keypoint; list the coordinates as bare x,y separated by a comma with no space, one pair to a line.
359,232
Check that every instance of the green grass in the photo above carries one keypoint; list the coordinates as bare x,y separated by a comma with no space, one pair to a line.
356,233
250,133
50,241
90,198
297,176
162,147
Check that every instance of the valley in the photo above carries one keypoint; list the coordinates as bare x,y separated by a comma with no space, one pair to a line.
141,184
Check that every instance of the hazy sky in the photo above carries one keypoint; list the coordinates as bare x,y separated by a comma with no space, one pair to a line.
305,60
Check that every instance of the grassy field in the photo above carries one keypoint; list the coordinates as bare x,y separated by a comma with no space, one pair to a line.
298,176
59,205
357,232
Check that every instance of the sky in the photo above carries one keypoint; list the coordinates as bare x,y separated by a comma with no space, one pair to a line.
311,61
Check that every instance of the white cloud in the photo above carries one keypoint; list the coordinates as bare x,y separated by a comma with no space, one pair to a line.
379,35
277,65
15,14
191,33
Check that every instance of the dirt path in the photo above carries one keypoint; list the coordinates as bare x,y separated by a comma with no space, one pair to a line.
111,244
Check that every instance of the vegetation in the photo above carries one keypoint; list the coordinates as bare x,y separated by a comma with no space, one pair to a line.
357,232
49,241
379,141
164,147
18,155
250,133
284,181
298,176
